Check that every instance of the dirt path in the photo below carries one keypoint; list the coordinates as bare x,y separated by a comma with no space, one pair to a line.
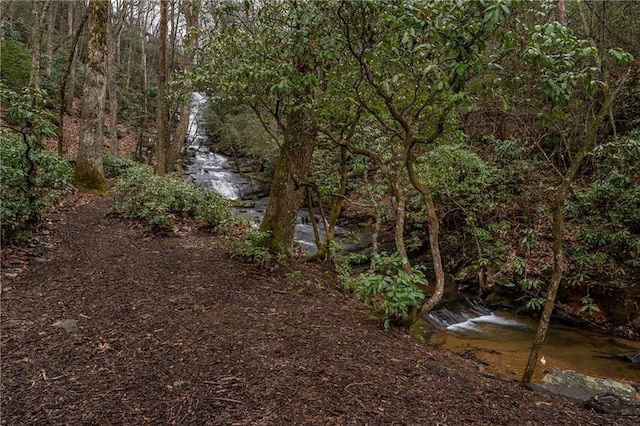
168,330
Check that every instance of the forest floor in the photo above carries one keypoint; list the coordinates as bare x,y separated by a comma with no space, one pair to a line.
109,324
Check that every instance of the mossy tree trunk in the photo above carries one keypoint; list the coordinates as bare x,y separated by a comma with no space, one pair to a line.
287,190
89,173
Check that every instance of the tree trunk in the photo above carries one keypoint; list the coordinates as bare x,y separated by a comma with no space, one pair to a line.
72,66
63,86
112,69
173,149
434,232
143,53
336,205
292,170
401,211
51,26
556,276
89,173
558,225
36,42
161,120
561,11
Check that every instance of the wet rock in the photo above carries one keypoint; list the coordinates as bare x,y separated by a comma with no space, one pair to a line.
244,204
613,404
503,280
631,357
467,274
584,388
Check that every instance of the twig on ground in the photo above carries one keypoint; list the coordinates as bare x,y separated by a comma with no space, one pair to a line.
235,401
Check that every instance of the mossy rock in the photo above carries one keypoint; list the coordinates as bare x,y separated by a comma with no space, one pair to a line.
422,330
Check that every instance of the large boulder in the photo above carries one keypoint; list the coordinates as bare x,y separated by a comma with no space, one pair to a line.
603,395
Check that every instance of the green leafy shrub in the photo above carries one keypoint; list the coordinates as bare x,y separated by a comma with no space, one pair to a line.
164,201
252,247
26,196
116,166
237,131
388,289
32,177
606,214
16,64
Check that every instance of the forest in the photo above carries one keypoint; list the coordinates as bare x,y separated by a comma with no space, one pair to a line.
489,147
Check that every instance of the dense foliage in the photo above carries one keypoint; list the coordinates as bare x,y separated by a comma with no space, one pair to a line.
32,177
388,289
163,202
16,64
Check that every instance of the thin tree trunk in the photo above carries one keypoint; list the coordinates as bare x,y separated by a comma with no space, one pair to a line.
112,69
36,42
401,211
161,120
336,205
51,26
174,33
63,86
557,218
88,172
72,66
434,232
143,51
191,12
561,11
287,190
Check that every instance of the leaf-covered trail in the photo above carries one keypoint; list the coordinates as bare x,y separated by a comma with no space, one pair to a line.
115,326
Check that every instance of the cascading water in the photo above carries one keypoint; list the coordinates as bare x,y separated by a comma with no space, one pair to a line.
210,169
464,315
213,171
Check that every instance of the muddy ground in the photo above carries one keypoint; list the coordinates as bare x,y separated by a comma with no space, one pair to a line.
113,325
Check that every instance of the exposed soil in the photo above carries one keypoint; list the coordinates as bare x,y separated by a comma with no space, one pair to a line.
112,325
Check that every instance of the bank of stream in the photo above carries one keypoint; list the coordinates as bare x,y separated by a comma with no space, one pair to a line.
500,341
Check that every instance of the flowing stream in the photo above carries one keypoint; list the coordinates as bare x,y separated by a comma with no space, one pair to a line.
499,340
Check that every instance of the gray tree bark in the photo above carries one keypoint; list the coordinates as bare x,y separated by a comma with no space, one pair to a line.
113,92
287,190
190,11
51,26
161,119
36,42
89,173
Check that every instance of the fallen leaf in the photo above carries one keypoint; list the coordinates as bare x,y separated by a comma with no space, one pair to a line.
102,347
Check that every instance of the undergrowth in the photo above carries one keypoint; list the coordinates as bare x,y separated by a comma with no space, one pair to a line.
388,289
162,202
